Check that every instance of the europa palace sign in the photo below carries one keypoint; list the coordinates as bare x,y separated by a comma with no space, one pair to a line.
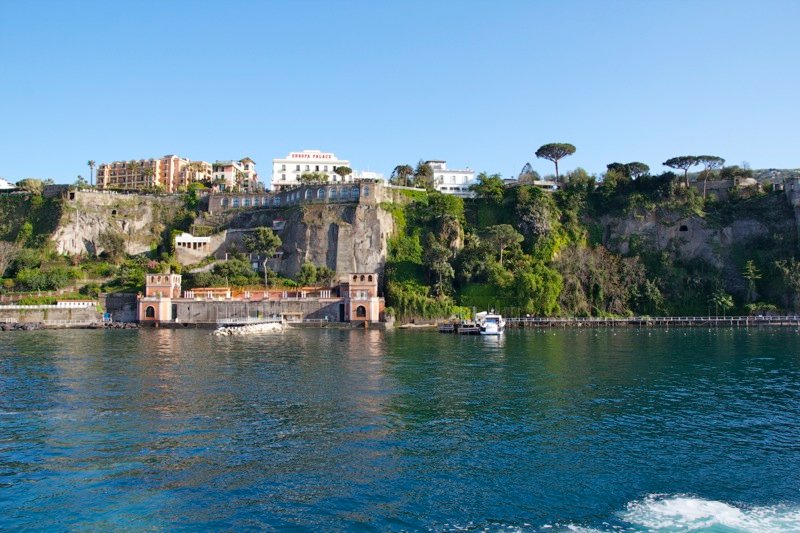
304,155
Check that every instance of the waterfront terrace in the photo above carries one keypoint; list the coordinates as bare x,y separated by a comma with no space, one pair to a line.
354,299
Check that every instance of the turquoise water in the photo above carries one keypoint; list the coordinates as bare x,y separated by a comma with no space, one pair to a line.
363,430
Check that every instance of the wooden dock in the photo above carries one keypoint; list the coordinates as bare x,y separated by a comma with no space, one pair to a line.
460,328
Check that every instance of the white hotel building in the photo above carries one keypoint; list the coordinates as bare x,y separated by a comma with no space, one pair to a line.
451,181
286,172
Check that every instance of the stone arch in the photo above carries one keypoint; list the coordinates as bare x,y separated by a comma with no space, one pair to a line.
361,312
150,312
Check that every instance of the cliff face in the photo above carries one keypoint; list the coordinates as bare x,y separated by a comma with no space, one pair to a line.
712,240
344,237
140,219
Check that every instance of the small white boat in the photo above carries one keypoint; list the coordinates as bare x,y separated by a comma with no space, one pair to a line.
491,323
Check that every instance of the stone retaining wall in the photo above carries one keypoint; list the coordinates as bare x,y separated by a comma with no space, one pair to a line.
47,314
212,312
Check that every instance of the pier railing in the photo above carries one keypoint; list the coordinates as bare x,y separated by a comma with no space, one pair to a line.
664,321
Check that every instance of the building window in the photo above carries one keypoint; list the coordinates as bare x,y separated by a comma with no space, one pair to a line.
361,312
235,202
150,312
283,177
325,168
308,194
366,191
246,202
320,193
308,167
298,168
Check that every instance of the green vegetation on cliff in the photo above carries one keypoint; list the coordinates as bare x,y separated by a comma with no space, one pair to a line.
526,251
30,225
28,219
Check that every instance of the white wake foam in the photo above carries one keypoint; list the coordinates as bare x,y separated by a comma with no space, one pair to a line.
661,513
689,513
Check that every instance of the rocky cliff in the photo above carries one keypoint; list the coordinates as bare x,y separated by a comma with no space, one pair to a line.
764,222
344,237
140,219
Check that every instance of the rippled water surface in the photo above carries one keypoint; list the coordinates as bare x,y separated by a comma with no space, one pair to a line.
405,430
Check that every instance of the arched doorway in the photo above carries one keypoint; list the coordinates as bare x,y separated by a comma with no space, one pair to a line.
150,312
361,312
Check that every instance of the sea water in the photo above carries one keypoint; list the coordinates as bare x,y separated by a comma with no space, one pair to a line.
552,430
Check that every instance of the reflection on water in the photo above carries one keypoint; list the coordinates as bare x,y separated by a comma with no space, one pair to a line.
399,430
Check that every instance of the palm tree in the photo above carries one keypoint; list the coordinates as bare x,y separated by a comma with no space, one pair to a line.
401,173
722,299
148,173
240,180
191,170
132,168
423,175
91,172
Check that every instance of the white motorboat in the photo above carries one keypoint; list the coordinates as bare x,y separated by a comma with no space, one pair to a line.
491,323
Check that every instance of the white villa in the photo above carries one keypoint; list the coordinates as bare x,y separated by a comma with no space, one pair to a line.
452,181
286,172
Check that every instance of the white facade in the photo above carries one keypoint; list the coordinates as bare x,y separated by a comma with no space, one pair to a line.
451,181
5,185
190,242
286,172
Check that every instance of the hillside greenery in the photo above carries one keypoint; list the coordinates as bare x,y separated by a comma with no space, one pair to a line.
33,270
525,251
518,249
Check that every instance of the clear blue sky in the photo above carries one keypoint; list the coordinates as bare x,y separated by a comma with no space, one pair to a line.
480,84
